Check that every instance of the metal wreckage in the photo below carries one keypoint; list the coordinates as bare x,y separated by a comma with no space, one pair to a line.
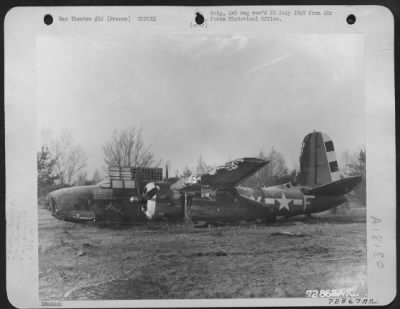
131,195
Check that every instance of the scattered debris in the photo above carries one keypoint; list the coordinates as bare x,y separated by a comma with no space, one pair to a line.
65,230
298,234
87,245
315,249
217,253
218,233
78,287
201,224
80,253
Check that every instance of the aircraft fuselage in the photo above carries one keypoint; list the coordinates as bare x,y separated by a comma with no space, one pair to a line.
168,204
248,204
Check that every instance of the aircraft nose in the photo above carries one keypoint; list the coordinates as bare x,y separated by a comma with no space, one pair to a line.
59,199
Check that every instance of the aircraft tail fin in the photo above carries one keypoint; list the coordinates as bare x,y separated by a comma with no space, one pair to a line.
318,163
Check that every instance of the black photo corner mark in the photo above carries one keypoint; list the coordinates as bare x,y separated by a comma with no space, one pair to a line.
199,19
48,19
351,19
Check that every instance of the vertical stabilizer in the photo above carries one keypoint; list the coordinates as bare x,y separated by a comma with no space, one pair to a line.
318,164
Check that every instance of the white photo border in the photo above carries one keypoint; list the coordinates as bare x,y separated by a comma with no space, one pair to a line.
23,25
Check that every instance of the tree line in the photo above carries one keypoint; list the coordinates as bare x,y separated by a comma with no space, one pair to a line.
355,164
61,163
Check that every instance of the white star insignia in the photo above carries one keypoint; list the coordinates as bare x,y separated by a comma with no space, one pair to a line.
284,202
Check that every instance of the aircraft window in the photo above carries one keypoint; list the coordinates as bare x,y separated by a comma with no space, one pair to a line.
329,146
333,166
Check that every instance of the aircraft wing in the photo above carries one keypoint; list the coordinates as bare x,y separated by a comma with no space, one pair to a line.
339,187
224,177
232,173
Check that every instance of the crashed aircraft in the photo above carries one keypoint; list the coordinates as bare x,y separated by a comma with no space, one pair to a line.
140,194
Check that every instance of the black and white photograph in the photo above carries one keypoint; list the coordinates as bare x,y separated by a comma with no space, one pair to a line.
200,164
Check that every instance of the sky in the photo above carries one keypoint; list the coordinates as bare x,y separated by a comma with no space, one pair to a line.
218,97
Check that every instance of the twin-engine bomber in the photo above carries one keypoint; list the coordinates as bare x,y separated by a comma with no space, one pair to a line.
130,195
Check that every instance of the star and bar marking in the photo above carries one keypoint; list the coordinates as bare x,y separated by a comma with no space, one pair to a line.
284,201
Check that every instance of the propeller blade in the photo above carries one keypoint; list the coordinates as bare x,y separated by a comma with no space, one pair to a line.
139,182
148,195
147,204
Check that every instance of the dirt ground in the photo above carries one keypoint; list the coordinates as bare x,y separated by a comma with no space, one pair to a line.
163,260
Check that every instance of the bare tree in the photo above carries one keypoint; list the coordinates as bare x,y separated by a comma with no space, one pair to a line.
45,173
277,163
186,172
345,158
96,177
202,167
355,164
127,148
167,168
82,179
69,158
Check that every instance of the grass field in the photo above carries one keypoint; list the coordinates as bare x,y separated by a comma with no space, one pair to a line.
161,260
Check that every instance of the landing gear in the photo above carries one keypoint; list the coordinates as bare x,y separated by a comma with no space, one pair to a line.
187,209
52,207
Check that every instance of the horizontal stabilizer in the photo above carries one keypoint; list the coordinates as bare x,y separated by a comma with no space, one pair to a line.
339,187
232,173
